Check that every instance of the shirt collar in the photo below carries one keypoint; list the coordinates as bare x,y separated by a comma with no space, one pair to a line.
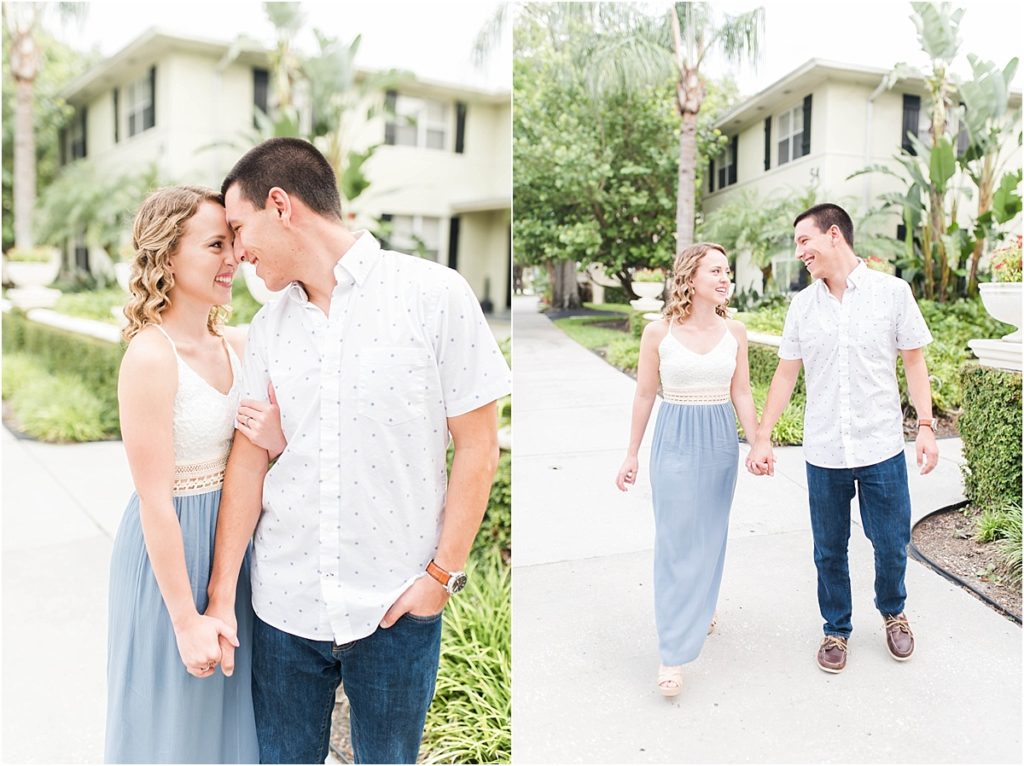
359,260
356,263
854,279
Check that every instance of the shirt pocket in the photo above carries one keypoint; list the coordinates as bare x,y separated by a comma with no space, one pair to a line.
392,384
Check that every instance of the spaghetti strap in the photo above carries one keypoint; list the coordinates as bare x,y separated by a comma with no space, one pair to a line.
164,333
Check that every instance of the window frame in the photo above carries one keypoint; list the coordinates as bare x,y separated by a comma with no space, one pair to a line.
794,137
417,115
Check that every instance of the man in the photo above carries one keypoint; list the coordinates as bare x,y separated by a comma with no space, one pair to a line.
375,357
845,329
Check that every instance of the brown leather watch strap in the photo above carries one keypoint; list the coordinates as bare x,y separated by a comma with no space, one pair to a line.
438,574
929,422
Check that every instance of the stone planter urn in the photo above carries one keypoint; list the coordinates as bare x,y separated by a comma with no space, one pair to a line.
257,287
31,277
650,296
1003,301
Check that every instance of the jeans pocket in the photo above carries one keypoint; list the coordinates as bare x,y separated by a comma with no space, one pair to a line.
427,619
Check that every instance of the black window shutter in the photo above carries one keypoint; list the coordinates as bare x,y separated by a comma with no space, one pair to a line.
767,143
260,91
117,116
453,242
390,100
460,129
911,119
385,242
62,143
711,175
735,158
85,137
806,144
149,116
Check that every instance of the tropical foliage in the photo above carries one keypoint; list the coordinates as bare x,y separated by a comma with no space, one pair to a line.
943,246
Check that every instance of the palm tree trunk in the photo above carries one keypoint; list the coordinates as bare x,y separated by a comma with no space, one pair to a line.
690,98
687,181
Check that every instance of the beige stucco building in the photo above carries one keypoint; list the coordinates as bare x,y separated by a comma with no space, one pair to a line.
441,176
818,125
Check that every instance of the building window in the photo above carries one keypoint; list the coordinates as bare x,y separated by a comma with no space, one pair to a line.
260,93
140,98
789,274
417,122
727,164
76,135
416,234
791,144
917,119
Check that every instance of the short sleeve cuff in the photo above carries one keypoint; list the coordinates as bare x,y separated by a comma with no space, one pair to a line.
478,398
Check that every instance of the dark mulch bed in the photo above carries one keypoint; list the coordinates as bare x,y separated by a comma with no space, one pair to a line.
564,313
947,539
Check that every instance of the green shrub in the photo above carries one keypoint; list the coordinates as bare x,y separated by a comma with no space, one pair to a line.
789,428
58,408
763,361
243,305
637,323
616,295
92,304
471,716
624,352
19,371
496,529
1002,525
91,362
991,431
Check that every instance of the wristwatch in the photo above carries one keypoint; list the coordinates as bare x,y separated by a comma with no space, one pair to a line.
453,582
929,422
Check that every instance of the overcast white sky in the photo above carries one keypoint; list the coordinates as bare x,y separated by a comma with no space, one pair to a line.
871,33
435,39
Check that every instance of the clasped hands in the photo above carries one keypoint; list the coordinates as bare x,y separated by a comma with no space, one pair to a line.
208,640
761,460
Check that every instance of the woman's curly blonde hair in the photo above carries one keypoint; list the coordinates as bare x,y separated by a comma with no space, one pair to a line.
156,233
680,292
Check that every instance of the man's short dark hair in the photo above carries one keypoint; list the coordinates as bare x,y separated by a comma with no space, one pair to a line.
827,215
294,165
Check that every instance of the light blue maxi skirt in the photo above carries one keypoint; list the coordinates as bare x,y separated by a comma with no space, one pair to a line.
156,711
693,478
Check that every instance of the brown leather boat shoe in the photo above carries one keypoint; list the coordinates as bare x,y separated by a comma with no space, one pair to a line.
899,639
832,654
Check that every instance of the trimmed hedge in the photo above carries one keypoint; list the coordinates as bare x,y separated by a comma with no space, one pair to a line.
991,431
90,361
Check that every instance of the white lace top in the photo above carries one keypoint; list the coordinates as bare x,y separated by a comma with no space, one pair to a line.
691,378
204,424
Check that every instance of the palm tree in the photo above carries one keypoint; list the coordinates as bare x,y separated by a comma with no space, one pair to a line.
642,49
22,21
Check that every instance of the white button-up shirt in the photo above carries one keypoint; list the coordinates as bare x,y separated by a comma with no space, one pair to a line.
853,416
353,508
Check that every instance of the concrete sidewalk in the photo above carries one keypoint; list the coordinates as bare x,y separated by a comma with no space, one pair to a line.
585,645
61,508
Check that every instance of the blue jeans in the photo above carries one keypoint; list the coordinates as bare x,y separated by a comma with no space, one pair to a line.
885,513
389,678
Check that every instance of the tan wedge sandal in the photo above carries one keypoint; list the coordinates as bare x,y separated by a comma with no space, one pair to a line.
670,680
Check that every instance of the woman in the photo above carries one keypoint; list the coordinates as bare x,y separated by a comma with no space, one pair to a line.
178,392
700,357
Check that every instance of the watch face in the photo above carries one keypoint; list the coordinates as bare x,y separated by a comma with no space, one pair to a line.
458,582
